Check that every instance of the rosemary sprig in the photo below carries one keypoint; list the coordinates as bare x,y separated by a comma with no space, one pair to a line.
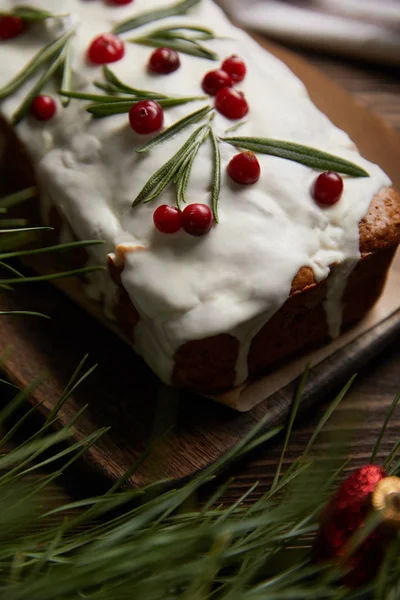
216,186
176,128
107,105
66,82
305,155
182,177
25,105
179,38
161,178
49,52
179,8
30,13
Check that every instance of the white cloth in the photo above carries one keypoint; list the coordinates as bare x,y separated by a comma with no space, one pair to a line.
367,29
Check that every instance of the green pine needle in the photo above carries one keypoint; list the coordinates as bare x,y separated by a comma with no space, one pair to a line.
153,547
384,426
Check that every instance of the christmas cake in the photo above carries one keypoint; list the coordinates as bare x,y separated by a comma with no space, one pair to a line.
240,226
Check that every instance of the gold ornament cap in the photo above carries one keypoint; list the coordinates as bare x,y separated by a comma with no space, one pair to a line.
386,500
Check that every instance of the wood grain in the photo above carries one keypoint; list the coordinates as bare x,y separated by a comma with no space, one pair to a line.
124,393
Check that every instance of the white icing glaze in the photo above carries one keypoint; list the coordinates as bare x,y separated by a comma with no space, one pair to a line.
235,278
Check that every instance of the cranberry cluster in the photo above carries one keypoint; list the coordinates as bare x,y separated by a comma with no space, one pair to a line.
195,219
219,83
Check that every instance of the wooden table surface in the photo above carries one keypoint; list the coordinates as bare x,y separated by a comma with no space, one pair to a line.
363,410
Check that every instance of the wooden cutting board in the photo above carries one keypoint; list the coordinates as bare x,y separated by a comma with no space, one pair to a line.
124,394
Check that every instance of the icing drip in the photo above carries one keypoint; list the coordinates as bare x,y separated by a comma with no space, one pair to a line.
333,304
236,277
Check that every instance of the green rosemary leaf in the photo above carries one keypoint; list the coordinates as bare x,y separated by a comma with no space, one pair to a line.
160,179
29,13
182,44
25,105
311,157
106,87
216,186
40,59
180,8
235,127
114,81
52,276
66,82
18,197
168,31
107,109
183,175
180,125
24,312
95,97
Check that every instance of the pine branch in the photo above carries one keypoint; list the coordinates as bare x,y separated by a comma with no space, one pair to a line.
155,549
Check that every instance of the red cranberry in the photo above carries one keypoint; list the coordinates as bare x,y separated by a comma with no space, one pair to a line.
197,219
231,103
167,219
327,188
10,27
235,67
244,168
146,116
43,108
106,48
213,81
164,60
119,2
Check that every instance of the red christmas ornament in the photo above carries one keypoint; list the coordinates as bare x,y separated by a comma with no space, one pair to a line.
10,27
146,116
235,67
244,168
119,2
197,219
366,490
231,103
213,81
106,48
167,219
164,61
327,188
43,108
